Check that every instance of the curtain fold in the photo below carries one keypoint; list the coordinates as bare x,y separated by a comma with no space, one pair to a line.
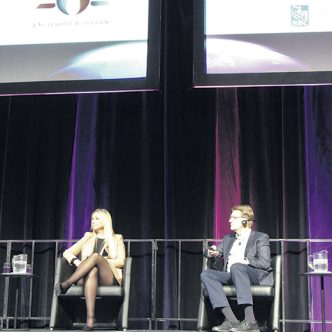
227,171
35,164
261,131
318,116
81,196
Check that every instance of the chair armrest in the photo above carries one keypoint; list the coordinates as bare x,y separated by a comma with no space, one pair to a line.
63,270
277,291
126,273
122,321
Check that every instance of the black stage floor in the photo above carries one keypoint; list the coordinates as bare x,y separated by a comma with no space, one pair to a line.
96,330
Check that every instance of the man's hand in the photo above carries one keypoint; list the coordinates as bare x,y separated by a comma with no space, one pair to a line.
213,252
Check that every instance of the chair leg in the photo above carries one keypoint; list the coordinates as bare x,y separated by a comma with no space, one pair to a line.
202,319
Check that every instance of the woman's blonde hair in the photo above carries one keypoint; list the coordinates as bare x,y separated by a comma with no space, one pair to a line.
108,231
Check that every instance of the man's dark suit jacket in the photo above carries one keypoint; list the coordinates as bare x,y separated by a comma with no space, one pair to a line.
257,252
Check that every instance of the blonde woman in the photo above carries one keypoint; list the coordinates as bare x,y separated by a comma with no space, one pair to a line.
99,257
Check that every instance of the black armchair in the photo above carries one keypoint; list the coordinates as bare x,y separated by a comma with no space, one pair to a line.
266,298
112,302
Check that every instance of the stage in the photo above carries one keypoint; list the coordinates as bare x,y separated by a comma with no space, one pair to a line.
47,329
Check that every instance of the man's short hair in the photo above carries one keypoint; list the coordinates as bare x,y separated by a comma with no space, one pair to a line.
246,212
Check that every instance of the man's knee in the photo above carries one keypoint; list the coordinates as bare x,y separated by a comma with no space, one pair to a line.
203,276
238,267
206,275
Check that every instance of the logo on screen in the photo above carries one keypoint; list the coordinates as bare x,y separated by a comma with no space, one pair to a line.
300,15
72,7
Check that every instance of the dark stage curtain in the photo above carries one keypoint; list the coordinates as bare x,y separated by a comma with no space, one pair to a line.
263,164
168,165
35,164
318,116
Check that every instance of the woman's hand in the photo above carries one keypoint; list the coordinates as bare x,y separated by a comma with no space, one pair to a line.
77,262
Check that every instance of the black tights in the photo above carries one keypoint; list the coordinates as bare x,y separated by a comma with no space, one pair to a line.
93,269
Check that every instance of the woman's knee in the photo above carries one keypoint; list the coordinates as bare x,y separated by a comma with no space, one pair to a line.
94,257
93,273
80,282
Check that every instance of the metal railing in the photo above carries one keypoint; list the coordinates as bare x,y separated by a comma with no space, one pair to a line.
158,248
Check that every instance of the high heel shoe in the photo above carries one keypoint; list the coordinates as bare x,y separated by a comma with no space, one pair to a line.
87,327
59,289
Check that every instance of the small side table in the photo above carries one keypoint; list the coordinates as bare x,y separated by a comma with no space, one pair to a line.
16,277
321,275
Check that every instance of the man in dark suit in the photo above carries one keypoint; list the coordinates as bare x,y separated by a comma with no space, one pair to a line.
246,255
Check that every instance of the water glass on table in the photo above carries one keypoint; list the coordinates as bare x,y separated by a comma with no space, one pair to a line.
6,267
318,261
29,268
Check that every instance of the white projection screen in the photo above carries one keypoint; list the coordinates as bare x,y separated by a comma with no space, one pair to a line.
257,43
64,46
